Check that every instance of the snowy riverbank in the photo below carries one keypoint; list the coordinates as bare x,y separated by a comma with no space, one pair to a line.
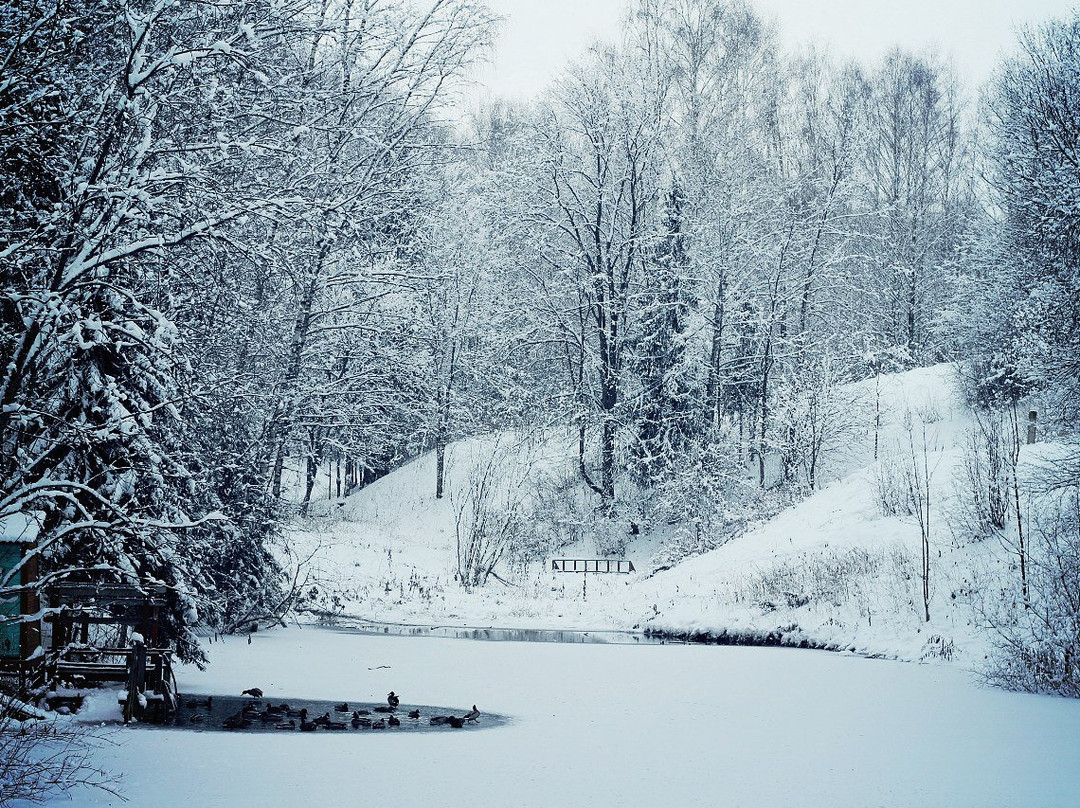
830,571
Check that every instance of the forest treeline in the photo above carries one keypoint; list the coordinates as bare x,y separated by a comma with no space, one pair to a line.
241,234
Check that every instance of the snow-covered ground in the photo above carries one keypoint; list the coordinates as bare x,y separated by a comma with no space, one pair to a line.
648,725
609,725
831,569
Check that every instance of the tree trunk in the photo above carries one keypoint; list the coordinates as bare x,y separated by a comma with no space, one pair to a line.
1014,457
609,397
311,470
278,467
312,461
440,468
284,410
714,385
443,402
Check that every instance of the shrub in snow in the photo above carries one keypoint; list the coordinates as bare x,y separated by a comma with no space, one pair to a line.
46,758
938,647
490,510
983,483
1038,638
890,485
869,581
610,537
560,515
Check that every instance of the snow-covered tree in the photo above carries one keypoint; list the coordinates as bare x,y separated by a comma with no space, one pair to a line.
915,162
667,415
105,184
599,152
179,182
1034,313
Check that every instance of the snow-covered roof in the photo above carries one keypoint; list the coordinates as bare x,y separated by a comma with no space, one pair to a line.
21,528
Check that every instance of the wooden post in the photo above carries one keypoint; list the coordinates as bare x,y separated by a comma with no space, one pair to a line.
32,665
1031,431
60,629
136,681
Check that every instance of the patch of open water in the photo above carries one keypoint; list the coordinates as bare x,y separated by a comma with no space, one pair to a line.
358,626
359,717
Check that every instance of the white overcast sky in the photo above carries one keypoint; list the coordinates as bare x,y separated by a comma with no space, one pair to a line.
538,37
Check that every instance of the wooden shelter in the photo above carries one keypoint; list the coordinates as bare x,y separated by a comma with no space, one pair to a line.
139,658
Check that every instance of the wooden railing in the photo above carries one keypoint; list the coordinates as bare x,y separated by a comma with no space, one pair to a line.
146,672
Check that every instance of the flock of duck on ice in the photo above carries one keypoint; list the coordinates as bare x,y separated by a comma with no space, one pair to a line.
283,717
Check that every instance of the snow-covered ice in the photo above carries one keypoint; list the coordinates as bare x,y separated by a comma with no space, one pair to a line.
610,725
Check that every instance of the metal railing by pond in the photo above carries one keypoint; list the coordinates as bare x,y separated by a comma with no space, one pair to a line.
623,566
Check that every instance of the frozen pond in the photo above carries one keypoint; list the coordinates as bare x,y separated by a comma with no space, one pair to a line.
611,725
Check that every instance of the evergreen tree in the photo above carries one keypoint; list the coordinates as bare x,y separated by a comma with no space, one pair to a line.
665,421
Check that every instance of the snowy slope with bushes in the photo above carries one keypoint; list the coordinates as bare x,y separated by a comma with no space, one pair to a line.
842,568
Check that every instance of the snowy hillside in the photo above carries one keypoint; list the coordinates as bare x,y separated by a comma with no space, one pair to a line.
830,571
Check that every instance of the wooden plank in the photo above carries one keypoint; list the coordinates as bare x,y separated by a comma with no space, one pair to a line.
107,594
110,620
71,652
96,673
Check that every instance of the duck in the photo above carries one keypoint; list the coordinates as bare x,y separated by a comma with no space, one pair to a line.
414,713
197,718
308,726
380,724
290,724
255,693
236,721
364,712
438,720
455,722
322,719
342,708
358,722
472,715
382,708
334,725
301,713
392,699
394,721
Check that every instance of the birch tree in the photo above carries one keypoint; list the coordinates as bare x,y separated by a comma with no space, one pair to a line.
914,163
